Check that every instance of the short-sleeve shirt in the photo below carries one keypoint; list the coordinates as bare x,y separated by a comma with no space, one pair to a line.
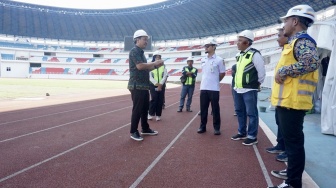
139,79
211,68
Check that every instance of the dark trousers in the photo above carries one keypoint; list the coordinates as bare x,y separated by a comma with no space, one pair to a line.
164,93
234,98
280,140
206,98
246,107
140,100
291,127
156,102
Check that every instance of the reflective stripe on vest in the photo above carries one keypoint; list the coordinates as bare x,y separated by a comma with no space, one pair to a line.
158,73
189,80
246,76
295,93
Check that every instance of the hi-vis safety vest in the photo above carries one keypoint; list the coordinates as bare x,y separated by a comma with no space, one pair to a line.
295,93
246,73
189,80
158,73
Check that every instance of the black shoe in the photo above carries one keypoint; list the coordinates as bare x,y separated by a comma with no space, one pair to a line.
282,174
274,149
283,185
217,132
250,142
201,130
136,136
188,110
199,113
238,137
149,132
282,157
179,110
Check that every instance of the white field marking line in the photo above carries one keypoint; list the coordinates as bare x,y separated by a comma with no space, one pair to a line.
307,181
60,154
263,167
173,104
13,138
67,151
59,112
158,158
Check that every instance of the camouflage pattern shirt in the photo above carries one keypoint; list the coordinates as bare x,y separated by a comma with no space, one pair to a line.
305,52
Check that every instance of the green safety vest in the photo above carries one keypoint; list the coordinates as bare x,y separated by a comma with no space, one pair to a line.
246,73
190,80
158,73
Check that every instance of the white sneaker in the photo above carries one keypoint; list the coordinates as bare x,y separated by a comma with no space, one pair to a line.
158,118
149,117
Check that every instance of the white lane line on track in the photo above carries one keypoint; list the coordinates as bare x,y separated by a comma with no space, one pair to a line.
13,138
151,166
307,181
272,138
263,167
67,151
60,112
36,117
60,154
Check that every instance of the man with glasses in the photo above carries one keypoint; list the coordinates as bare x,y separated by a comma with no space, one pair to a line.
213,71
138,85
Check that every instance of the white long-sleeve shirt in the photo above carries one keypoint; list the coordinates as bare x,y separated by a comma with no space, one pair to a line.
259,64
163,80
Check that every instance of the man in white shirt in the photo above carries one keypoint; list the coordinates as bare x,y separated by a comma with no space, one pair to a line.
213,71
250,73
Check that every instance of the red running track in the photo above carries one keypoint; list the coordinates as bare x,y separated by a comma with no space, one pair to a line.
87,144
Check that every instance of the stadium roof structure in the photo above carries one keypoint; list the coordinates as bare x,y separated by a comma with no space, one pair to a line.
169,20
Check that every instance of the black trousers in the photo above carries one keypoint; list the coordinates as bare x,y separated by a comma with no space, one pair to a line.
140,100
291,127
280,139
156,102
206,98
164,93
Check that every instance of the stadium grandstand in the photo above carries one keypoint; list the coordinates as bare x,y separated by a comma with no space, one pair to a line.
65,43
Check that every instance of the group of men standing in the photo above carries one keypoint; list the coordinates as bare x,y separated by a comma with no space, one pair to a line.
294,84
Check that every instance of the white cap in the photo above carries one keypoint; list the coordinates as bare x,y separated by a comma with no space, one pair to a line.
190,59
210,40
247,34
156,53
301,10
139,33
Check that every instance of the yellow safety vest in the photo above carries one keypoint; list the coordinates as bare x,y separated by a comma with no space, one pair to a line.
295,93
158,73
246,73
189,80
